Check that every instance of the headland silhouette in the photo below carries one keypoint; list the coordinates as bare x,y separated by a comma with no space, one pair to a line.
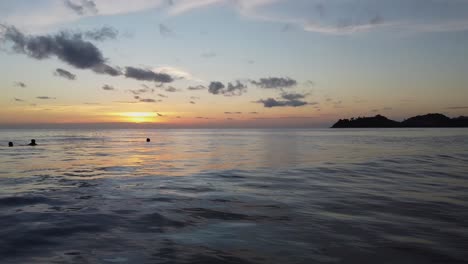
379,121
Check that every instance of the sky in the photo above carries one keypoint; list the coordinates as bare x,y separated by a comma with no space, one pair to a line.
229,63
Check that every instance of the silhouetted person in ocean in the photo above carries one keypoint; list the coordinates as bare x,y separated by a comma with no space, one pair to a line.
33,143
148,140
10,144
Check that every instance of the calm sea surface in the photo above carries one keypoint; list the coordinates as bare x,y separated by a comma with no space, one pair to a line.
234,196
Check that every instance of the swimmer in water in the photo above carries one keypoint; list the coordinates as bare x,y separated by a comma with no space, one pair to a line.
33,143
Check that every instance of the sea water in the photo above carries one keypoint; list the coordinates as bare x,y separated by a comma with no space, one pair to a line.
234,196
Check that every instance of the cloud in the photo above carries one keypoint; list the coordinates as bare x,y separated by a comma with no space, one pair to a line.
147,75
457,107
270,102
235,89
183,6
149,100
293,96
253,113
208,55
160,115
45,98
317,16
101,34
107,87
69,48
175,72
84,7
196,88
275,82
192,102
216,87
162,95
20,84
171,89
145,89
106,69
165,31
64,74
232,89
18,100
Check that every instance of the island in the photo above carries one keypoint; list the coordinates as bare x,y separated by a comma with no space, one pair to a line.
379,121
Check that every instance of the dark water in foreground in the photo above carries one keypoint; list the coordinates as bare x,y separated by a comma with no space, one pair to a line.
234,196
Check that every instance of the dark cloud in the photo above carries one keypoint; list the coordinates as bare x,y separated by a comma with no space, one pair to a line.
171,89
158,114
275,82
235,89
64,74
84,7
192,102
162,95
457,107
216,87
293,96
253,113
170,2
45,98
209,55
232,89
18,100
145,89
20,84
107,87
147,75
165,31
196,88
69,48
250,61
106,69
148,100
232,113
101,34
270,102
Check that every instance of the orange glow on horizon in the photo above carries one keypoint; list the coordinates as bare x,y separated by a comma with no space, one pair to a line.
139,117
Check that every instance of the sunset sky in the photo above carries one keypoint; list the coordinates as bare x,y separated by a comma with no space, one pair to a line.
230,63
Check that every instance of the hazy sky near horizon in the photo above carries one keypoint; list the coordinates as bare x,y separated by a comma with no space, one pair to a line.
230,63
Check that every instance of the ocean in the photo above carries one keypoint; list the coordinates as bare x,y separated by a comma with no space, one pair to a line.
234,196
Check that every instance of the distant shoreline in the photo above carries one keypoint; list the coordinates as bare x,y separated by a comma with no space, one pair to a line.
421,121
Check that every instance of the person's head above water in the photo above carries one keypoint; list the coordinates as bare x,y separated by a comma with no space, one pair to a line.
33,142
10,144
148,140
